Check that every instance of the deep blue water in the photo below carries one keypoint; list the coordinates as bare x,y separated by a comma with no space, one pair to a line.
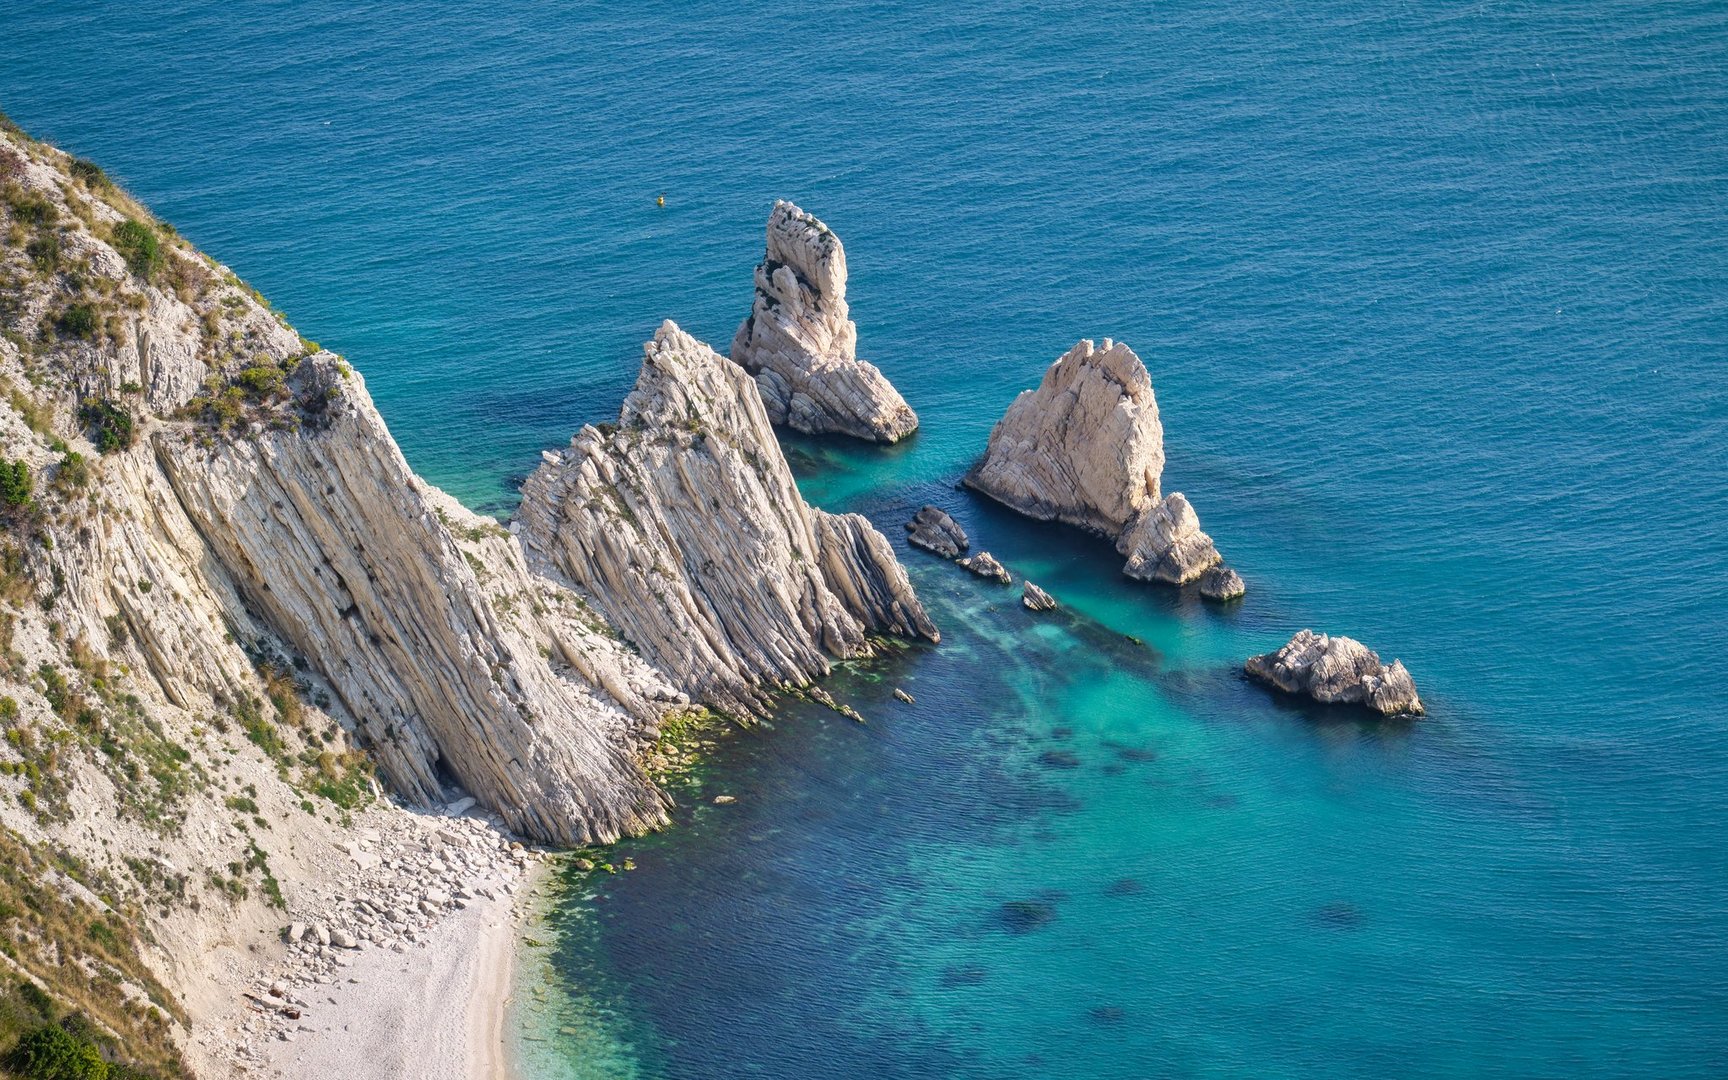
1435,298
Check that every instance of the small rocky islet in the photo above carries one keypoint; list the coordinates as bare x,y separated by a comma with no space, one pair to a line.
1338,670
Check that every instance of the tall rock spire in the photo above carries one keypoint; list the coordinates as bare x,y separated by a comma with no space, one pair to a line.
802,346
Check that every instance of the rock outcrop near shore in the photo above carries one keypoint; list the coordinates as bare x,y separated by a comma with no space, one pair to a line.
684,528
1337,670
934,531
801,344
1087,448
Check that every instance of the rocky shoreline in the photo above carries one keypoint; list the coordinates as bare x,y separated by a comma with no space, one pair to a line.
218,561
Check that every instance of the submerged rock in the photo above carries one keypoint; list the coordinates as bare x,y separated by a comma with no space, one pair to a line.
682,528
1087,448
934,531
1025,916
1036,599
801,344
985,565
1337,670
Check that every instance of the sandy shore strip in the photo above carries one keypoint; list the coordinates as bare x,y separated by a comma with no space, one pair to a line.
435,1012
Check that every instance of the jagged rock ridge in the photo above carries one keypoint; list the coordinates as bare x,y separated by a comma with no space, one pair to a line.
801,344
684,528
1087,448
1337,670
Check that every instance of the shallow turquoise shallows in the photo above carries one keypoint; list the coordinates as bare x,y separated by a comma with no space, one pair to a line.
1435,299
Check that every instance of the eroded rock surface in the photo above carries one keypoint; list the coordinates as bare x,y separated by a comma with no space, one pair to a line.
1222,583
985,565
684,529
1087,448
1036,599
801,344
1337,670
934,531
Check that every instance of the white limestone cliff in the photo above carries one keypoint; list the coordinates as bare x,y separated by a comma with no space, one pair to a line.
684,528
801,344
1087,448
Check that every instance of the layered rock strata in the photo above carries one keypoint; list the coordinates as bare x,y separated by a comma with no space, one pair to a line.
1087,448
451,658
934,531
684,528
801,344
1337,670
1036,599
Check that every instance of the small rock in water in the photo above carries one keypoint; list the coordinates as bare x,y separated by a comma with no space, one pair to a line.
724,800
936,532
1222,583
985,565
584,864
904,696
1036,599
1337,670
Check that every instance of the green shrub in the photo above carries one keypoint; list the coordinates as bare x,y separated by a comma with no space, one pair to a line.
15,484
262,380
44,252
28,208
112,427
78,321
50,1052
89,172
74,472
137,244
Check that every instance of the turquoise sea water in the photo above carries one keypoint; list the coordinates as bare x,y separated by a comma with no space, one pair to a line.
1435,298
